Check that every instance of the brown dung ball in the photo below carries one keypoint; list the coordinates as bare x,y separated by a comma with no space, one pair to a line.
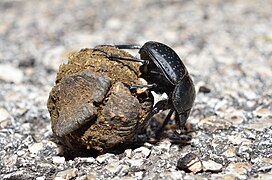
91,106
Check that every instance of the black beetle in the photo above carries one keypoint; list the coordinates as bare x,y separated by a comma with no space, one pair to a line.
165,73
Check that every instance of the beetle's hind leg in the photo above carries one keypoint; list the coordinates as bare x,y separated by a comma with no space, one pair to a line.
124,46
117,57
113,56
161,105
165,122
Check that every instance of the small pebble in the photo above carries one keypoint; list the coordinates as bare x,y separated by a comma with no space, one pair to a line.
189,163
136,162
238,168
66,174
204,89
86,159
128,153
20,152
104,157
230,152
139,175
58,159
192,163
113,166
236,139
145,152
262,112
235,117
40,178
195,167
35,148
211,166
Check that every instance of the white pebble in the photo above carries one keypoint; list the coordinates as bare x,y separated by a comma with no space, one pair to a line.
35,148
143,150
58,159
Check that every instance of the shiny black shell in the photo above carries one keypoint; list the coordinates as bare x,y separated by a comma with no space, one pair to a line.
165,59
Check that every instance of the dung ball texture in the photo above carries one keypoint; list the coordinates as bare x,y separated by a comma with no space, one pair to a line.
91,106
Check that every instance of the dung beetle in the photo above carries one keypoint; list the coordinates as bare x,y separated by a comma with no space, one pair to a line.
165,73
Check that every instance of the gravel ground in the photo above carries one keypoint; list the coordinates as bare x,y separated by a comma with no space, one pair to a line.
226,46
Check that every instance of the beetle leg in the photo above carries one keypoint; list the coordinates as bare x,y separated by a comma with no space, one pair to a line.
149,86
128,46
113,56
156,72
166,121
161,105
124,46
180,119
